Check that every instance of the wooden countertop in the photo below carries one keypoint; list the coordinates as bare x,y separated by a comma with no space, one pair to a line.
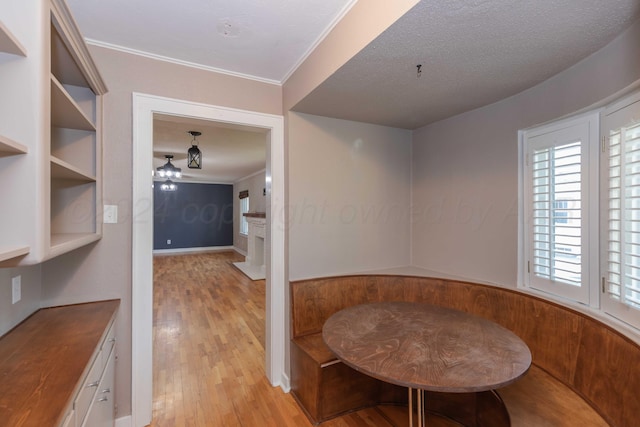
426,347
255,214
43,359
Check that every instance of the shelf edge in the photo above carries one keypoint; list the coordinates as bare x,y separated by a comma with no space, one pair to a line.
70,241
68,171
9,146
60,93
9,43
7,254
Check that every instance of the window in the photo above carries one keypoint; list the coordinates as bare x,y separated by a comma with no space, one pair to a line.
557,170
556,238
244,208
561,211
620,210
581,209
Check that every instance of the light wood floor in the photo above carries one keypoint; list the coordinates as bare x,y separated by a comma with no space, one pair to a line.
208,356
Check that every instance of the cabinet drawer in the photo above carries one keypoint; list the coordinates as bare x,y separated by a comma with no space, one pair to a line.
70,421
89,388
108,344
101,411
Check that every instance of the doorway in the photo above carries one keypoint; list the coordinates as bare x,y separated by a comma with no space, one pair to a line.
144,109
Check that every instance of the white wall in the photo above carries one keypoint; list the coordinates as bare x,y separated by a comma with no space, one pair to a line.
348,196
466,168
257,203
31,292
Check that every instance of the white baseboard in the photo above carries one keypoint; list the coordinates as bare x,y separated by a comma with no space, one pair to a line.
240,251
190,250
123,421
286,383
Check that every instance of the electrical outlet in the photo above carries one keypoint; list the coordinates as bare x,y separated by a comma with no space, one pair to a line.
16,289
168,241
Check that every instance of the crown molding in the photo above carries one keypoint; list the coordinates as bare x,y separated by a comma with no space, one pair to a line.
319,40
149,55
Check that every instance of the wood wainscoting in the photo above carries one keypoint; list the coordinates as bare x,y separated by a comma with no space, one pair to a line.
581,366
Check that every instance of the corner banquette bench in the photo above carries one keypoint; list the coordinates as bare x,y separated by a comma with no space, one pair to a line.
584,373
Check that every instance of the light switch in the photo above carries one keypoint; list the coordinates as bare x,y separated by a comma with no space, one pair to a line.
110,215
16,289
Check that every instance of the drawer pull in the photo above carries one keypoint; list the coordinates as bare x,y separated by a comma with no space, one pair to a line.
106,390
103,399
93,384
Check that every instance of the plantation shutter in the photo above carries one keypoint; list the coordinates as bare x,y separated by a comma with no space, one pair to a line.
623,270
620,210
557,217
559,208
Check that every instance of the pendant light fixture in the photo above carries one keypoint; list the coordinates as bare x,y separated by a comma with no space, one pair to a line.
168,170
168,185
194,155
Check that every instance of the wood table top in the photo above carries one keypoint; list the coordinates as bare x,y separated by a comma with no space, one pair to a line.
43,359
426,347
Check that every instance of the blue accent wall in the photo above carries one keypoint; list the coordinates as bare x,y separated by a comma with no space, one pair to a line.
193,216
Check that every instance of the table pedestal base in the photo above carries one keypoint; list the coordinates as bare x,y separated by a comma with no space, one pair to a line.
420,408
482,409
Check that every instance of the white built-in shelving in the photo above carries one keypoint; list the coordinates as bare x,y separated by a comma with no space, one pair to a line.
65,111
9,147
55,157
63,170
9,44
76,90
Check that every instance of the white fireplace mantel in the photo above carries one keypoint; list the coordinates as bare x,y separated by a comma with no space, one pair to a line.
253,265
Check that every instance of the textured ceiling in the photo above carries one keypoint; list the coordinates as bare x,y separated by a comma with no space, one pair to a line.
473,53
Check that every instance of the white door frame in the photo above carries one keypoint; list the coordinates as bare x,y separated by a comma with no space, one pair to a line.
144,108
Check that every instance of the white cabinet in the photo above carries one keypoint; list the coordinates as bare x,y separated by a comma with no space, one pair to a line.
56,363
94,405
101,411
88,390
50,134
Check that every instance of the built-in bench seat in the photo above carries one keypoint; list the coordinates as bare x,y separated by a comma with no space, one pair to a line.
584,373
540,400
325,387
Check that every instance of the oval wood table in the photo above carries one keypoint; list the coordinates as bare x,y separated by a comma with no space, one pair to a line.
426,347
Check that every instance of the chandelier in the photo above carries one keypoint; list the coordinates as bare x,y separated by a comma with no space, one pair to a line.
168,170
168,185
